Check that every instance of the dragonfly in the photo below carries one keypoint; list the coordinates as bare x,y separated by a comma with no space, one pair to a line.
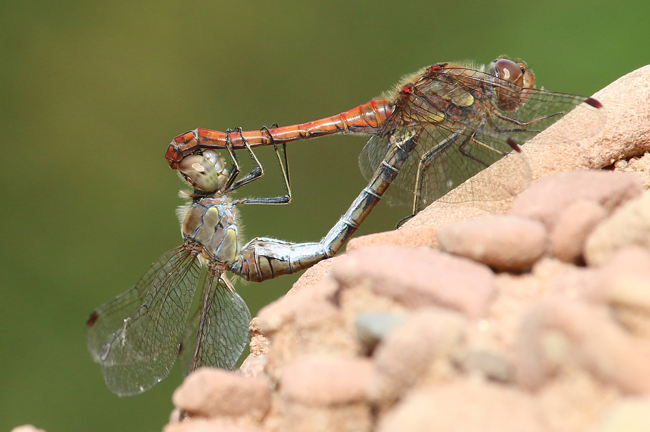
138,336
461,117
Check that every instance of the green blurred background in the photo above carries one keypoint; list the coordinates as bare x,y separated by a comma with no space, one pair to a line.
93,91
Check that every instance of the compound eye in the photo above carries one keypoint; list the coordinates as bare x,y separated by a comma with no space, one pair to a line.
206,172
508,70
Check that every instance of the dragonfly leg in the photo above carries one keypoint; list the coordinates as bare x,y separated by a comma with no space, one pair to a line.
266,258
523,123
235,170
284,168
423,166
254,174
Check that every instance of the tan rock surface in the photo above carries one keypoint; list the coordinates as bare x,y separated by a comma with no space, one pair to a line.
419,277
577,336
210,392
628,226
501,242
484,408
572,229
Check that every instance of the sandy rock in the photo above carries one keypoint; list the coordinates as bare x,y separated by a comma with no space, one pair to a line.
299,304
323,380
424,344
548,198
419,278
253,366
464,406
623,283
440,213
209,425
630,225
627,415
489,364
561,331
628,261
574,400
563,338
313,275
352,417
371,328
306,322
210,392
414,237
501,242
572,228
629,297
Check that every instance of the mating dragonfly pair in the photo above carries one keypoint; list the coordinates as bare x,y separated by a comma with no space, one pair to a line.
437,129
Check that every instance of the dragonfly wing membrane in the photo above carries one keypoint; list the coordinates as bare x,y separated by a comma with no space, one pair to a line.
142,350
108,317
223,330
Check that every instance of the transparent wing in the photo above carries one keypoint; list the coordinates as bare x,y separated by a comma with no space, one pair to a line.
455,145
448,159
188,342
141,341
222,327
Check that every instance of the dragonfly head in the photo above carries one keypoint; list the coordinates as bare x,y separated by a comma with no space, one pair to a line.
206,172
511,94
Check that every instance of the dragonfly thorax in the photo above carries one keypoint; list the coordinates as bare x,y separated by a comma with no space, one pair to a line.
212,223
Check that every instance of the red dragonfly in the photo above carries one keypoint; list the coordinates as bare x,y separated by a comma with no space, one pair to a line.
463,118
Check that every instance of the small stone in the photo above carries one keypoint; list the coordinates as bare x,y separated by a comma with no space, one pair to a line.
373,327
253,366
427,341
414,237
549,197
420,277
627,415
465,406
490,364
297,303
211,392
323,381
562,331
209,425
630,261
623,283
628,226
573,227
501,242
349,417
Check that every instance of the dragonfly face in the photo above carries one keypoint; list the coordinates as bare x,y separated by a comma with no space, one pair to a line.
137,337
517,74
206,172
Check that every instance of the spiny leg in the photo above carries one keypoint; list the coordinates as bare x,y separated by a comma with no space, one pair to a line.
235,170
524,123
284,168
254,174
472,138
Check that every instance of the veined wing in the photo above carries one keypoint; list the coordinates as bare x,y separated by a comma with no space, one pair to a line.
530,110
141,341
219,333
458,144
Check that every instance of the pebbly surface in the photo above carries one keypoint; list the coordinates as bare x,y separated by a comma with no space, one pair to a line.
530,314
